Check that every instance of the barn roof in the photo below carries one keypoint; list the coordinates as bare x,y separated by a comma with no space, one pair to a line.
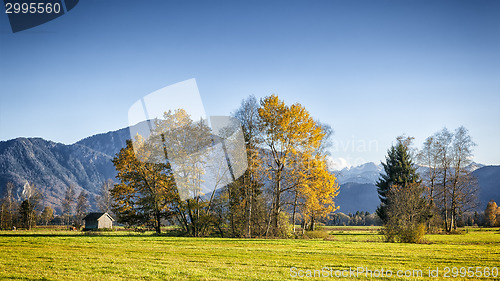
96,216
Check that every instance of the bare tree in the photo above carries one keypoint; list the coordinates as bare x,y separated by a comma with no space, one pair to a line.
82,206
463,186
105,199
67,203
451,186
8,208
250,183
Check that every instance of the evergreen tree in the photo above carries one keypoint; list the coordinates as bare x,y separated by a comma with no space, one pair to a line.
399,171
27,210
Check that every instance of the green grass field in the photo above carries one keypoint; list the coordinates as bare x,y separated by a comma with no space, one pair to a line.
44,254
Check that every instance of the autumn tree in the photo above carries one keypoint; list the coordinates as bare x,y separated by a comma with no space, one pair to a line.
145,190
189,144
285,131
399,170
492,214
317,191
8,208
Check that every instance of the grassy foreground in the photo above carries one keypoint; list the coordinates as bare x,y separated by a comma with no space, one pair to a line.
64,255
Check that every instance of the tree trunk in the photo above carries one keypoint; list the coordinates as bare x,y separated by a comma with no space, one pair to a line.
157,221
276,204
294,211
249,220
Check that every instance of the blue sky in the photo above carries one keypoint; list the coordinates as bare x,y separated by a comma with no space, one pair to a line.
371,69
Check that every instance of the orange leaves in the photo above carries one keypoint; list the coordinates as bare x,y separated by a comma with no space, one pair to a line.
288,129
318,188
294,139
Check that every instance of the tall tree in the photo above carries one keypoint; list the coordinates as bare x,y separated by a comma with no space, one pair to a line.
67,203
8,208
317,190
443,140
104,199
463,187
285,131
453,188
428,157
247,190
189,144
82,206
143,195
177,148
399,171
31,197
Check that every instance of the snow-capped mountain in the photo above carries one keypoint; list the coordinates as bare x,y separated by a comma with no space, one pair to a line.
367,173
358,190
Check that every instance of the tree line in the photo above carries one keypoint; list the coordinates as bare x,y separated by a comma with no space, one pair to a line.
172,177
286,181
26,210
413,203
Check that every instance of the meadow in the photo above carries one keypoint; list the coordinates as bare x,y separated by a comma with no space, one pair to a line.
51,254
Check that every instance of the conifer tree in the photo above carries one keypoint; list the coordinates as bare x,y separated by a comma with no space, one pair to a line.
399,171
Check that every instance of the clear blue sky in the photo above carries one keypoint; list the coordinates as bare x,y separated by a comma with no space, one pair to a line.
371,69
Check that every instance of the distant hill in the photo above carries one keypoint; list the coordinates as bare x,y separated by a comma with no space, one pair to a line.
87,164
357,197
52,167
488,178
108,143
359,193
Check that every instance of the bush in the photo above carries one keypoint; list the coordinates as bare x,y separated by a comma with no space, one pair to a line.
409,234
407,214
284,226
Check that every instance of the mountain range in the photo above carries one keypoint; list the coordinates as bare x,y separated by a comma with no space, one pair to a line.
86,164
52,167
358,191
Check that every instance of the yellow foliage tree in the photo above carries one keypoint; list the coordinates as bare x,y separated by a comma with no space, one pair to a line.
317,190
492,214
145,190
286,131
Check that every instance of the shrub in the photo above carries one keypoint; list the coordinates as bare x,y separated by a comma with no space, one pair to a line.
406,215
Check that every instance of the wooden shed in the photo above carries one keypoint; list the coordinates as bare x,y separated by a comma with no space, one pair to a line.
98,220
